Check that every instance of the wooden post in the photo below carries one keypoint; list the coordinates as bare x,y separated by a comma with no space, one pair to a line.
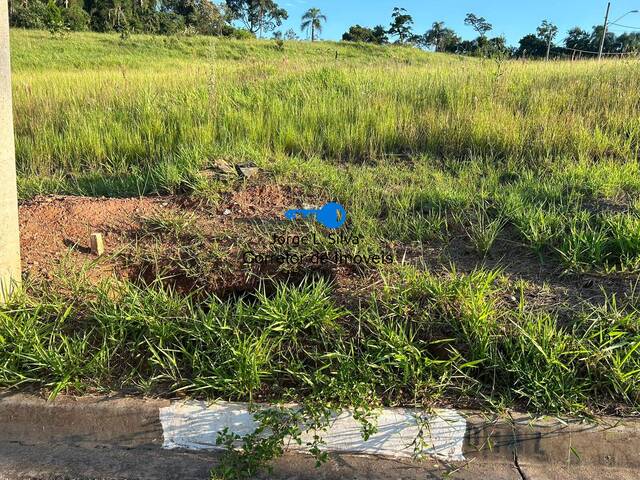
10,270
97,244
604,31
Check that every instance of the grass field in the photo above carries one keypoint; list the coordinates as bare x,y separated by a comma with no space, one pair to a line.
508,193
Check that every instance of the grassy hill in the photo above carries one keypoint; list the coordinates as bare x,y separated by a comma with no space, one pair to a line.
89,102
34,50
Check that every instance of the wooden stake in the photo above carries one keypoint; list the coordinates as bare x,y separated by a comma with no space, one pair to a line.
97,244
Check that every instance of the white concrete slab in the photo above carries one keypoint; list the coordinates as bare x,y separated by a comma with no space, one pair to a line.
194,425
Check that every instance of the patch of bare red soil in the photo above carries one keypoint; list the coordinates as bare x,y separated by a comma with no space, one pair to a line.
261,202
55,230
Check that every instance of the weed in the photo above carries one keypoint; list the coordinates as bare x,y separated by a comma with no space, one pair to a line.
276,426
482,230
313,107
175,224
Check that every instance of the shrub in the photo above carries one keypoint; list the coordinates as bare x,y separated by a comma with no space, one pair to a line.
53,18
147,22
241,34
170,23
32,15
76,19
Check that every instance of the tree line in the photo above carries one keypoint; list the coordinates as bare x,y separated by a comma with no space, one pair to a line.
438,37
256,18
240,18
541,44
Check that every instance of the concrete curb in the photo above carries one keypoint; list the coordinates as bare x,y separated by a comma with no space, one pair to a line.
452,436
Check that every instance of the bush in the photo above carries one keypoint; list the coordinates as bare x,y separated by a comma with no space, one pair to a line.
170,23
100,21
147,22
76,19
33,15
241,34
53,19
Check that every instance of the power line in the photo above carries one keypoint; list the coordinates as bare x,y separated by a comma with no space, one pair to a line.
592,52
626,26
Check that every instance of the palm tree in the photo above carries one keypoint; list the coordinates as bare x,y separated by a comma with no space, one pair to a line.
313,19
435,34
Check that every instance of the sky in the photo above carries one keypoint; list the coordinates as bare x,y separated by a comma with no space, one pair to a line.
511,18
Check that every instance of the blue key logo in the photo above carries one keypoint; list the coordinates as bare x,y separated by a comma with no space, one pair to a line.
332,215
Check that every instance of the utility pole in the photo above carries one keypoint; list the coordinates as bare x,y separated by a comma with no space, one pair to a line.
604,31
10,270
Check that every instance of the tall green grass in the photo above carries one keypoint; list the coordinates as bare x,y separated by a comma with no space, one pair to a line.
418,339
98,105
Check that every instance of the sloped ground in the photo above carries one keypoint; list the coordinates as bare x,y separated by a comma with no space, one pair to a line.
189,244
196,244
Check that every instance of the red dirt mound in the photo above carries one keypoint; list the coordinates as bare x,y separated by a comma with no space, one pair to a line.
55,229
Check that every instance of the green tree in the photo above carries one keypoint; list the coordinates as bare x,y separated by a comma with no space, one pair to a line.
485,47
439,37
547,31
257,15
628,42
497,47
380,35
401,25
53,18
76,18
596,37
184,8
207,18
109,15
467,47
357,33
531,46
479,24
577,39
291,35
312,20
33,15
